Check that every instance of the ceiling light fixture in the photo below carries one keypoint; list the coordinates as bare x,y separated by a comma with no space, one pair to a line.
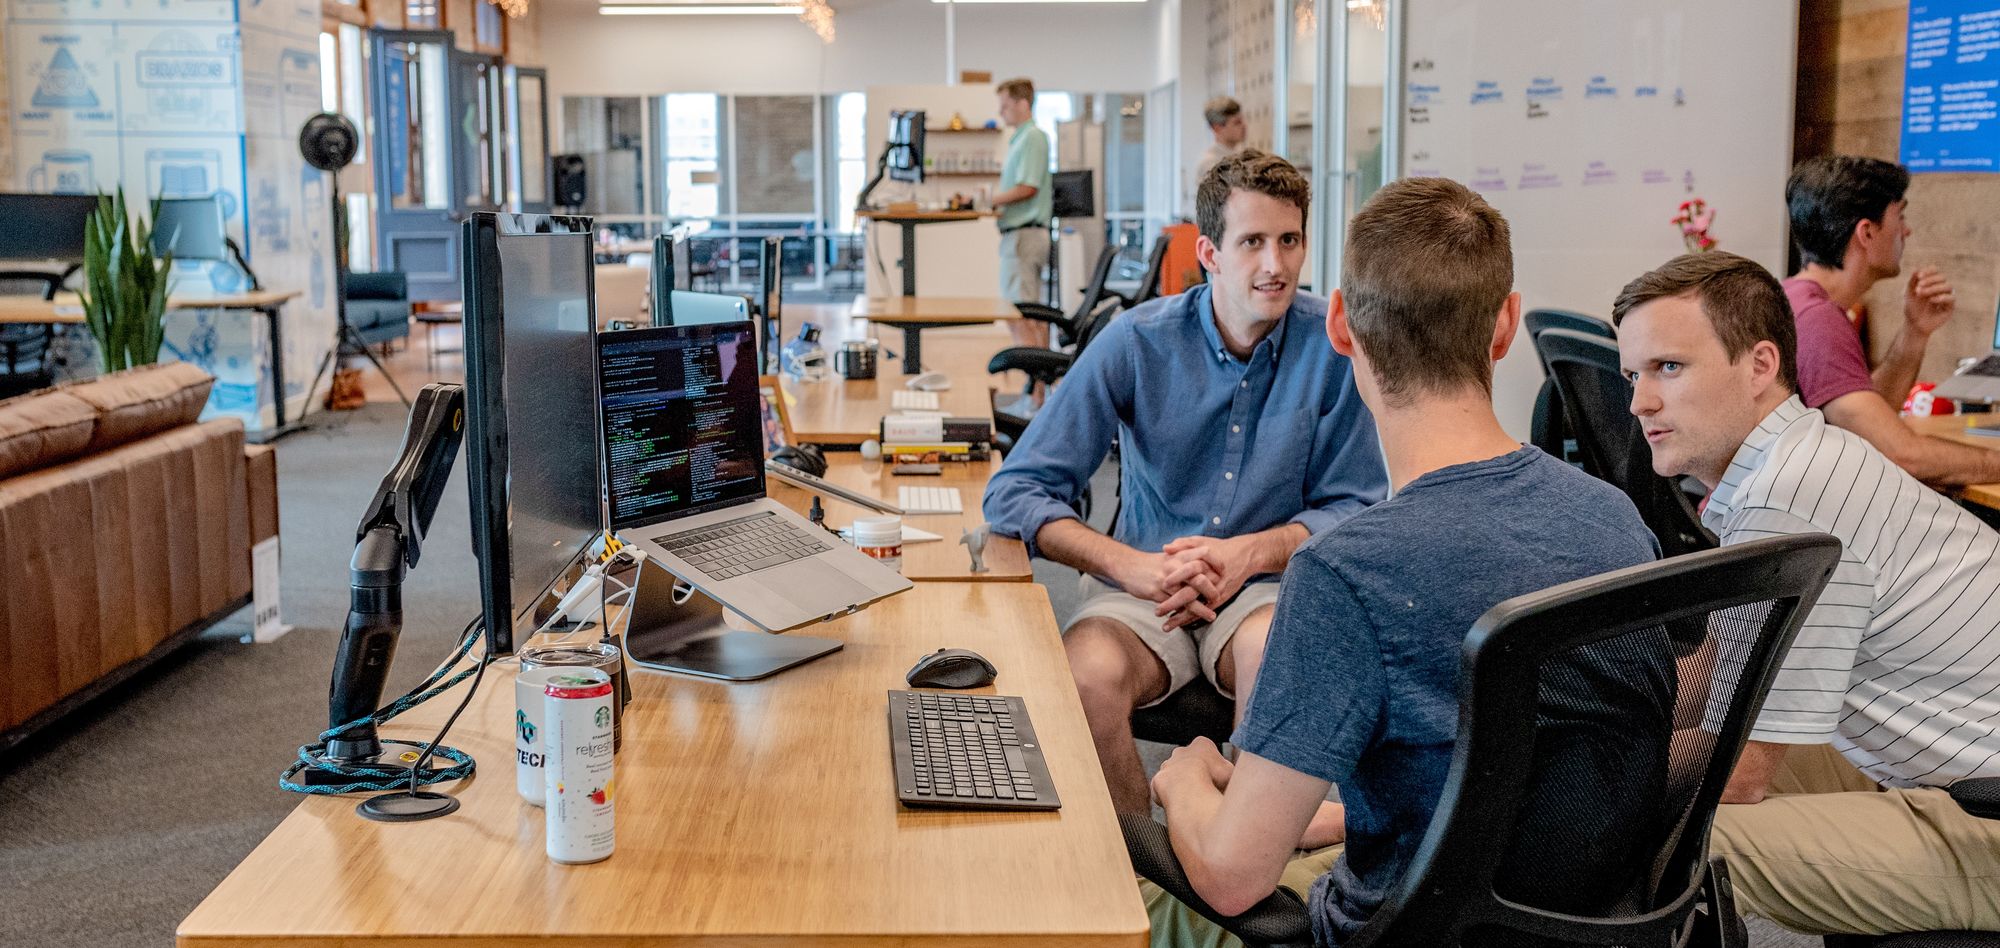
961,2
513,8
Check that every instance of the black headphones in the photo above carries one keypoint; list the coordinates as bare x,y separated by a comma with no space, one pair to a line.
802,457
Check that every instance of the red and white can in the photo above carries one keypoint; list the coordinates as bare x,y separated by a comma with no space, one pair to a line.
577,778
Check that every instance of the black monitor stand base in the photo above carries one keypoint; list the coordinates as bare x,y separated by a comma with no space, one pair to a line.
675,629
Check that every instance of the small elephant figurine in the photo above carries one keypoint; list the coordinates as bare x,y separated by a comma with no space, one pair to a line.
974,541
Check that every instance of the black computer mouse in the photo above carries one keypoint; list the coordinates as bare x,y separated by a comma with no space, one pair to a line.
952,668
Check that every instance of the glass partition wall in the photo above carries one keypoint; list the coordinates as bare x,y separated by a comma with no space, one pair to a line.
1338,65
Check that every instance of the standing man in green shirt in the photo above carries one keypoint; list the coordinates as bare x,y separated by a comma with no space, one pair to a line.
1024,203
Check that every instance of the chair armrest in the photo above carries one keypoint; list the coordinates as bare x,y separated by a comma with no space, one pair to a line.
1041,313
1279,920
1979,796
1045,365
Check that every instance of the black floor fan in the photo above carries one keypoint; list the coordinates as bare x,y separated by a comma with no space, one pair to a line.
328,141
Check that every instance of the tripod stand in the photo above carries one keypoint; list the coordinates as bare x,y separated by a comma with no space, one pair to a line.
344,333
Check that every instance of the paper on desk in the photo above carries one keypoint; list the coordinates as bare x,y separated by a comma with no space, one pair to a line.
910,534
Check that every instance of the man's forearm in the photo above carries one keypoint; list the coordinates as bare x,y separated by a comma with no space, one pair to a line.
1276,546
1019,192
1078,547
1897,372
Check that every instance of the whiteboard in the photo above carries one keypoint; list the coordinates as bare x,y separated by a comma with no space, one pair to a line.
1587,122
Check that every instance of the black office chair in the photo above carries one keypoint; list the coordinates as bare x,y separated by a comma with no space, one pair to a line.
24,347
1549,430
1149,282
1071,326
1477,878
1042,367
1596,401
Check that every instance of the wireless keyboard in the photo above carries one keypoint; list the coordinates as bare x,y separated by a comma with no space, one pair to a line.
967,751
929,500
904,399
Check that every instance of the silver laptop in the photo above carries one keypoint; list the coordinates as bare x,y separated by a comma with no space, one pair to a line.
683,449
1978,382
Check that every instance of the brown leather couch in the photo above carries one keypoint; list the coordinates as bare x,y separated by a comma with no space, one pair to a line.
125,530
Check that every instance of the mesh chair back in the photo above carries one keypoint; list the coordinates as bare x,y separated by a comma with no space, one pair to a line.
1598,722
1549,430
1596,403
24,346
1156,264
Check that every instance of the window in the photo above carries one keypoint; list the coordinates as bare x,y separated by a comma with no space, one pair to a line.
693,136
1052,109
773,148
489,27
850,137
422,15
610,135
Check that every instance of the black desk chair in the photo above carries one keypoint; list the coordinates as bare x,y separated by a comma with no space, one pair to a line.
24,347
1043,367
1071,326
1476,877
1549,430
1149,282
1596,402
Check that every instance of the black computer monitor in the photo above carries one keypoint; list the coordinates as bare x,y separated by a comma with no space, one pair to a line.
44,226
906,145
1072,194
190,229
670,273
771,305
531,398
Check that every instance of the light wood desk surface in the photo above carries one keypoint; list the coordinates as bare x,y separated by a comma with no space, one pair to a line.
937,310
939,560
924,217
68,307
848,412
758,813
1952,428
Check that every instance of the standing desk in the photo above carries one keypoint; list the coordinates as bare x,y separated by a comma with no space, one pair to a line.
908,221
1952,428
914,314
941,560
758,813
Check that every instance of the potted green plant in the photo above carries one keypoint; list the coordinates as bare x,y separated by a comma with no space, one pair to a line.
124,285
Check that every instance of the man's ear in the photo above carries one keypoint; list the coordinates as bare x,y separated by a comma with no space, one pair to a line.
1337,331
1204,252
1866,233
1765,366
1504,327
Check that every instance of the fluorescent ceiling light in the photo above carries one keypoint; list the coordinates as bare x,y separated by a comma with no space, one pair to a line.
698,9
1037,1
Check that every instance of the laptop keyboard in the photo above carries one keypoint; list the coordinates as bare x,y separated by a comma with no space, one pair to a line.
1989,367
744,545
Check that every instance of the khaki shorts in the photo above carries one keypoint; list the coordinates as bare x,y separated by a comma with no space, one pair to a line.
1186,652
1023,254
1174,925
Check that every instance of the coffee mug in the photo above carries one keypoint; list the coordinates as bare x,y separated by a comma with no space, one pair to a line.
856,359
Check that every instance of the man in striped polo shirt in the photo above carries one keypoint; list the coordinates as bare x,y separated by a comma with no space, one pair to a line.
1897,668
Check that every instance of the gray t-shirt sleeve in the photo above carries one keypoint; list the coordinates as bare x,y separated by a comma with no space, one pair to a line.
1321,691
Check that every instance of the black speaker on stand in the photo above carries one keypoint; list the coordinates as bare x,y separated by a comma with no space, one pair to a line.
328,141
571,181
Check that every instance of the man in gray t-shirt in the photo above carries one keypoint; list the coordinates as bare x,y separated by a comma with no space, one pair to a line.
1359,682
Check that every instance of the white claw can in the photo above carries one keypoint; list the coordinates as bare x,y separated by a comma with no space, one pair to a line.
576,775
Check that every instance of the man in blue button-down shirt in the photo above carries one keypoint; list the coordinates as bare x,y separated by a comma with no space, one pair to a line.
1241,435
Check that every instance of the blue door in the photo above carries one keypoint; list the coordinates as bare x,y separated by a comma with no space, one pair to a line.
417,211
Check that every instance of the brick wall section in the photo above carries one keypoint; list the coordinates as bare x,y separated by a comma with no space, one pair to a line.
1850,101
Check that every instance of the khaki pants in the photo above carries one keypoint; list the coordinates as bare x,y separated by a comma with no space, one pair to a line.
1177,926
1023,254
1831,852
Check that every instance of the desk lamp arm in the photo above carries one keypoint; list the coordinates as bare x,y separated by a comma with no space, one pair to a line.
388,543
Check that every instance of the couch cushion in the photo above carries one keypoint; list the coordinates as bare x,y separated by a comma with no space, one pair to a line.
43,428
143,401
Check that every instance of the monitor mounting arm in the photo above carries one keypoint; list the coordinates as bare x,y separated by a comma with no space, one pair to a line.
387,545
881,168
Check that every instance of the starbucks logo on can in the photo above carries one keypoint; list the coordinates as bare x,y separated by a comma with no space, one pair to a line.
603,718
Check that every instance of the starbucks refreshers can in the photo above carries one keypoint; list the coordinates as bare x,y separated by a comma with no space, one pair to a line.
529,697
576,777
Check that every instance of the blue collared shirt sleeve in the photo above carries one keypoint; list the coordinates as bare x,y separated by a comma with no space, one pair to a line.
1346,474
1043,479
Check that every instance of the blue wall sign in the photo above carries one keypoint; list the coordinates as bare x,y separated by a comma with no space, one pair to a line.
1951,86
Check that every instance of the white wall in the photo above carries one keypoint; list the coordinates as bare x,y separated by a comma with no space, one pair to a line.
1082,48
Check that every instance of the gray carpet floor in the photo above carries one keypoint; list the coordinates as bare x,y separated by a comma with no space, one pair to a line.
115,822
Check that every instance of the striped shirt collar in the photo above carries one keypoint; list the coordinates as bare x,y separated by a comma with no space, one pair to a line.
1750,457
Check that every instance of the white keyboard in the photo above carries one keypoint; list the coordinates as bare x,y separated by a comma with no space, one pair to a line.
904,399
929,500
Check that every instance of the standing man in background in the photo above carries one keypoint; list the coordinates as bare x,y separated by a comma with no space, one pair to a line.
1023,202
1225,122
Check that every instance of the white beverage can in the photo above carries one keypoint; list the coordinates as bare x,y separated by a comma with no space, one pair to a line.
529,686
576,777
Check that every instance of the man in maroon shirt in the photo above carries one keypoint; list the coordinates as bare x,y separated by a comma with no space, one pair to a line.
1847,219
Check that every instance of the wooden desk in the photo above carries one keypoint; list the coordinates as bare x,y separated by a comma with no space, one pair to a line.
941,560
759,813
914,314
1952,428
848,412
64,309
908,221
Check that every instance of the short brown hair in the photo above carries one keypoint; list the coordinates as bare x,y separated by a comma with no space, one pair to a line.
1428,266
1741,299
1022,89
1221,109
1248,170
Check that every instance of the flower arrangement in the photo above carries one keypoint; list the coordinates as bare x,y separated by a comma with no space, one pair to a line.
1693,218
